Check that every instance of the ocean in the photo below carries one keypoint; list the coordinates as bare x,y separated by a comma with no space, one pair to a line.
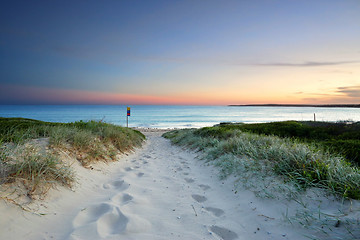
154,116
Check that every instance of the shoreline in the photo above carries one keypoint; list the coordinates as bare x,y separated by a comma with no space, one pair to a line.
149,129
169,117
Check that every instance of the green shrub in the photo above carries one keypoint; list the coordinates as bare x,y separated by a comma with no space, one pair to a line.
350,149
216,132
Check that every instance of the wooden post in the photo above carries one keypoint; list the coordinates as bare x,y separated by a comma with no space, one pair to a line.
127,116
314,118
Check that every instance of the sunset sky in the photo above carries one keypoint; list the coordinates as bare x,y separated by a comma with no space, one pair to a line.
180,52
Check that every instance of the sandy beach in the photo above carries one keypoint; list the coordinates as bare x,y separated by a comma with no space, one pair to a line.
160,191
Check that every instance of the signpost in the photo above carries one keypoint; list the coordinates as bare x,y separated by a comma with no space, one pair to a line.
127,116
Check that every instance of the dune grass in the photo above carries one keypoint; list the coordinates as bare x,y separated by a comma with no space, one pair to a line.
340,138
36,167
94,138
305,163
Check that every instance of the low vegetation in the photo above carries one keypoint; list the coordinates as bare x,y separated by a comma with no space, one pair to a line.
341,138
38,166
36,171
285,148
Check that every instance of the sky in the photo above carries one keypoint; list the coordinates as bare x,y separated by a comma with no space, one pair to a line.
203,52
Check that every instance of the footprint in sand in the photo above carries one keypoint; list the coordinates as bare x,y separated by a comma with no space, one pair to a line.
128,169
90,214
179,169
101,221
204,187
185,173
216,211
145,162
147,156
140,174
189,180
120,185
223,233
122,198
113,222
199,198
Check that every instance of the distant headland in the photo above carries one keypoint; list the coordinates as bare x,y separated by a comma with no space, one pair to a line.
300,105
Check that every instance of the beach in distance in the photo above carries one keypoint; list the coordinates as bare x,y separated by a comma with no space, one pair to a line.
155,116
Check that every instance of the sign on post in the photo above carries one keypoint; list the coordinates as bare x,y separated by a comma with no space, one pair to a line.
127,116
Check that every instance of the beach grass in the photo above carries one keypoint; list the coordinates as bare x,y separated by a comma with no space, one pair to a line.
37,165
337,137
306,163
35,169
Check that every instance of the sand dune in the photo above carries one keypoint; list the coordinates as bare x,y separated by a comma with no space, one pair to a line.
159,192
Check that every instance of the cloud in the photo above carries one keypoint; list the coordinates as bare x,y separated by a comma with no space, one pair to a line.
341,72
353,91
311,100
306,64
338,95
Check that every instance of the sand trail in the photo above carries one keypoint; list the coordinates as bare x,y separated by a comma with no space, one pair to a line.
164,192
159,192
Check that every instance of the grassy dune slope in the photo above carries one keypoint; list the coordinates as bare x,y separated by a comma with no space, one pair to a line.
341,137
24,159
297,151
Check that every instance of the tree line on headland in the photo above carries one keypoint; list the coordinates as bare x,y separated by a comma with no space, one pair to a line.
300,105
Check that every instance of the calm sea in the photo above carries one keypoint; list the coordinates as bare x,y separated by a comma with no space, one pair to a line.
176,116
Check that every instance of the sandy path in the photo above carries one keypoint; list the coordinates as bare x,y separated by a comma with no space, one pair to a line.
166,193
160,192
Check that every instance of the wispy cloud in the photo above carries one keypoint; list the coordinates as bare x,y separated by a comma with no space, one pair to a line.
341,72
352,91
314,94
306,64
340,95
311,100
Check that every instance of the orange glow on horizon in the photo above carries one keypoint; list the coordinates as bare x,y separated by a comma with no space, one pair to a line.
62,96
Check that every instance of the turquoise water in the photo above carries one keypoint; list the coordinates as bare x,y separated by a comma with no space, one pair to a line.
176,116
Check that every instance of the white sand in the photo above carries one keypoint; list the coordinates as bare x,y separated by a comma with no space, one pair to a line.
159,192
